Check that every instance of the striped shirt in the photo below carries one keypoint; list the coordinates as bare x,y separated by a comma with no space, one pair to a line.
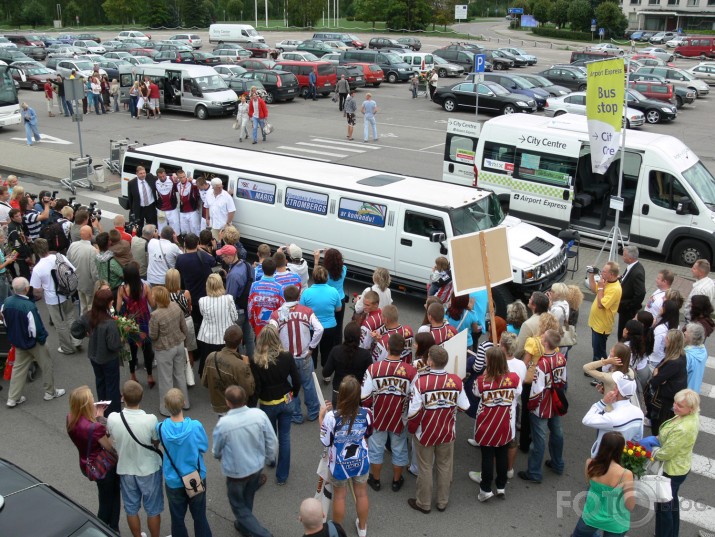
440,333
380,349
372,323
32,223
294,323
493,426
385,390
288,278
180,298
219,312
550,374
436,397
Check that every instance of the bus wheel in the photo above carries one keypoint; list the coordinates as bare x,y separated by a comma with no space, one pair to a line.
688,251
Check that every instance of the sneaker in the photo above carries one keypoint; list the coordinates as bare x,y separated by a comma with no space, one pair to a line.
472,442
59,392
361,533
397,485
484,496
412,471
12,404
59,349
326,380
550,466
475,476
501,493
510,474
374,483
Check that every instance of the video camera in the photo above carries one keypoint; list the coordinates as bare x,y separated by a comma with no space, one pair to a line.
592,270
132,224
94,213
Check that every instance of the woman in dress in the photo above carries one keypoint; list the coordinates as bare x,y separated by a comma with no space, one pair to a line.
134,299
167,329
242,118
277,384
345,431
219,312
183,300
86,428
348,358
668,378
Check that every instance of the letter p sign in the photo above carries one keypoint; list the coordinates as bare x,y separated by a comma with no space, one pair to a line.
479,62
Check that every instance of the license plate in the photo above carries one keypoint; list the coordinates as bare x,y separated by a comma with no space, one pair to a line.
327,84
291,91
358,79
230,107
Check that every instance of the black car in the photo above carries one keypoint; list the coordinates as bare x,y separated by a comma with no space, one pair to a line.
175,56
242,86
206,58
518,61
499,59
492,98
112,67
352,74
280,85
654,111
470,47
171,46
571,77
412,42
545,84
34,52
60,515
377,43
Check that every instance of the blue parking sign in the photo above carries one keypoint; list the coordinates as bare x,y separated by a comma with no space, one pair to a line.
593,22
601,32
480,61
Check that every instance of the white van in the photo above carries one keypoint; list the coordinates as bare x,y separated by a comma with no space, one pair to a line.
421,62
234,33
197,89
541,170
375,219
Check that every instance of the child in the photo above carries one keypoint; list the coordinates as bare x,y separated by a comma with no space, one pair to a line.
264,252
440,279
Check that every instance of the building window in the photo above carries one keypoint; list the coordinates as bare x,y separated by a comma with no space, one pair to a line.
673,2
653,2
692,3
635,2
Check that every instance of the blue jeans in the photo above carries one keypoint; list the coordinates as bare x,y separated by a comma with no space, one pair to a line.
370,121
249,338
30,131
667,515
106,377
256,123
584,530
240,496
133,101
598,343
312,403
178,502
538,444
280,417
312,92
67,106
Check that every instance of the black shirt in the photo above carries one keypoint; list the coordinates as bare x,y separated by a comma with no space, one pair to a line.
326,533
272,383
195,269
339,361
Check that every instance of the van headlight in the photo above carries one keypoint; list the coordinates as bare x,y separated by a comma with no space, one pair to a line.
402,69
215,103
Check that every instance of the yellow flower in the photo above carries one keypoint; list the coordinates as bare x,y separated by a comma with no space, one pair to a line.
625,450
630,452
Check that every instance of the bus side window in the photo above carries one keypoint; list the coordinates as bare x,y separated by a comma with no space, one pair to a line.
421,224
665,190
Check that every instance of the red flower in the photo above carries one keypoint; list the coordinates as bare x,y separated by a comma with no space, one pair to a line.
630,444
638,454
648,454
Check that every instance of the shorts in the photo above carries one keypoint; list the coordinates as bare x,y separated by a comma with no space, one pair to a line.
342,483
190,342
149,489
153,103
376,447
351,119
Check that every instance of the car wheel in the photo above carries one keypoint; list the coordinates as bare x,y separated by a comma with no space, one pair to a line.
450,105
270,99
280,50
304,93
392,78
688,251
582,87
508,109
652,116
201,112
671,59
679,101
442,73
498,66
559,113
35,86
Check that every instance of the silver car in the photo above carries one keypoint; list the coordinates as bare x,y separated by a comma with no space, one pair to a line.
193,40
288,45
445,69
91,46
83,68
704,71
230,71
575,103
658,52
299,56
520,53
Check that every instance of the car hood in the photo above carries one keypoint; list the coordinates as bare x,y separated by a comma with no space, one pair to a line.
522,237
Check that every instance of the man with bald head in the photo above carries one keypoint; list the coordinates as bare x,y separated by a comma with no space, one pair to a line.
311,516
81,254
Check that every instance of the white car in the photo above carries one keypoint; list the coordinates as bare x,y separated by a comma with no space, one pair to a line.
83,68
230,71
66,51
134,35
193,40
704,71
119,55
6,43
92,46
337,45
298,56
287,45
139,60
575,103
332,57
658,52
610,48
675,42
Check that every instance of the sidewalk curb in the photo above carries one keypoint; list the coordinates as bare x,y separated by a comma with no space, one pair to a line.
107,186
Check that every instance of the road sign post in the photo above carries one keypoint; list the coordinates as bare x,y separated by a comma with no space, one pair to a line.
480,63
74,91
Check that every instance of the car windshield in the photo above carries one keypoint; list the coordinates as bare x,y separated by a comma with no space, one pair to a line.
33,38
439,61
637,94
687,75
519,51
479,216
84,66
310,57
702,182
38,71
498,89
211,83
392,57
91,44
540,81
523,83
251,32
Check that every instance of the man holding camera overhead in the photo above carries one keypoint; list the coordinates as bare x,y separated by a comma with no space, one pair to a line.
605,306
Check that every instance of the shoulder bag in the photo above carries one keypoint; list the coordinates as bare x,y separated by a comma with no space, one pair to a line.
98,467
568,332
193,485
131,433
654,485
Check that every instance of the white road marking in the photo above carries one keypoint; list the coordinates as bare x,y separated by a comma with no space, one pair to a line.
336,142
704,466
707,425
711,362
47,139
698,514
330,147
103,197
431,146
707,390
301,150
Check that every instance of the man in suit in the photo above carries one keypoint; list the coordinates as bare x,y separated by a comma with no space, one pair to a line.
142,200
633,287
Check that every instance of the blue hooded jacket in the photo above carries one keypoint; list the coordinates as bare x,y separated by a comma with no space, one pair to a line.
186,442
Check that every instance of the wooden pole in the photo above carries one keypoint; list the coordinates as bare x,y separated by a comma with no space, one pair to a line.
485,267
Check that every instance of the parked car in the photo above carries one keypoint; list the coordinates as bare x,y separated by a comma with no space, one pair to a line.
82,67
147,52
446,69
517,61
659,52
635,36
139,60
94,58
530,59
31,76
63,51
661,37
6,43
545,84
337,46
228,46
463,58
332,57
681,94
678,77
261,50
133,35
66,39
287,45
516,84
675,42
251,64
48,40
120,55
128,46
205,58
575,103
173,46
371,72
175,56
232,55
608,48
90,37
227,71
298,56
110,45
499,59
349,39
112,67
9,55
645,36
464,45
704,71
492,98
279,85
34,52
646,60
654,90
570,77
411,42
314,46
352,74
90,46
242,86
654,111
377,43
193,40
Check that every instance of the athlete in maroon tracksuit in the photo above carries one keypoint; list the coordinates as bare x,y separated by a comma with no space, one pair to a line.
189,216
166,200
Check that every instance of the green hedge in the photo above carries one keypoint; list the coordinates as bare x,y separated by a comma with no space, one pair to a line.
562,34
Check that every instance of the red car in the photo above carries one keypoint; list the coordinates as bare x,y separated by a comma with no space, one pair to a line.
372,73
261,50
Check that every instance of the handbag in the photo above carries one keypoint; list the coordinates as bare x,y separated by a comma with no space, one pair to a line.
189,371
568,332
268,129
193,485
98,467
235,125
655,487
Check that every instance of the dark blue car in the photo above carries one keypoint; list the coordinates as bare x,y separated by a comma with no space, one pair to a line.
519,85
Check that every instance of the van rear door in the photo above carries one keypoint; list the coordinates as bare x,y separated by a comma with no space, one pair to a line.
460,148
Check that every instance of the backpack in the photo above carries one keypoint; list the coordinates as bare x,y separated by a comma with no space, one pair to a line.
64,276
55,236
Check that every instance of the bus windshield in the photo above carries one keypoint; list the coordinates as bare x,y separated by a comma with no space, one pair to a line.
479,216
8,93
702,182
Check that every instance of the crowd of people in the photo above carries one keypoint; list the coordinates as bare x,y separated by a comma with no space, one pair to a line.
254,333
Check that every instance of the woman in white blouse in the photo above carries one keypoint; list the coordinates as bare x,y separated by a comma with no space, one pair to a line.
219,312
669,318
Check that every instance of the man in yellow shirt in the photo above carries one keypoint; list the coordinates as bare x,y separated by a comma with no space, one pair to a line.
604,308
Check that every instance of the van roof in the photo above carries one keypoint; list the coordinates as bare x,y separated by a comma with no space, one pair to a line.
419,190
190,69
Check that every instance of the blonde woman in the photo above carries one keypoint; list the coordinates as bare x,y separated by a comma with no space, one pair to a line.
619,359
381,285
560,308
242,119
17,194
277,384
182,298
134,96
219,312
668,378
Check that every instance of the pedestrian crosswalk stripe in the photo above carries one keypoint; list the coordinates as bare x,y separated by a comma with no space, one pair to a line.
107,199
336,142
707,390
338,148
707,425
292,155
703,466
697,513
711,362
301,150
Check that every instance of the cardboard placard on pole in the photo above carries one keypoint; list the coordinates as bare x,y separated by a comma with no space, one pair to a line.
456,348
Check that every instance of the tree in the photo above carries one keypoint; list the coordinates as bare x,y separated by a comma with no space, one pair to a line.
610,16
559,13
443,12
233,9
541,11
304,13
159,14
33,13
580,15
70,11
408,15
120,11
369,10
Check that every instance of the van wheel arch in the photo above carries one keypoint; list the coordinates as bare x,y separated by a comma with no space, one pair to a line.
202,112
686,251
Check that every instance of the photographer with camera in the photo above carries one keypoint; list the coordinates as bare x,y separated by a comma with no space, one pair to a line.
82,218
17,240
31,218
604,308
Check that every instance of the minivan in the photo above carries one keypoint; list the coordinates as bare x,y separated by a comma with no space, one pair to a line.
694,46
349,39
193,40
421,62
326,75
26,40
391,64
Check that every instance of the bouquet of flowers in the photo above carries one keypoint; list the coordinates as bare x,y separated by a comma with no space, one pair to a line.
128,329
636,458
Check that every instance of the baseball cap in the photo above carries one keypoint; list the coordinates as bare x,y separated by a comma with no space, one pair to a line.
216,182
626,385
295,252
226,250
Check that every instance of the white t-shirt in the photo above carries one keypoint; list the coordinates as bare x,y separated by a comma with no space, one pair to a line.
133,458
161,256
4,211
519,367
42,278
219,207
